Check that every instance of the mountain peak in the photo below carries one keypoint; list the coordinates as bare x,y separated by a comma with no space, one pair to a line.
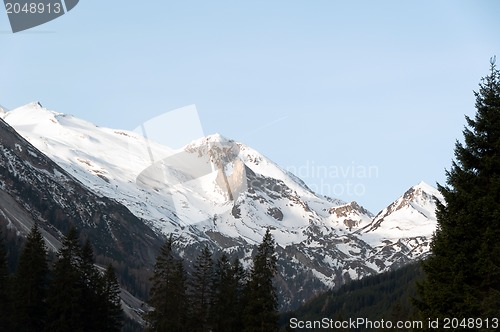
32,115
352,215
411,216
209,139
216,146
421,191
35,105
217,138
425,187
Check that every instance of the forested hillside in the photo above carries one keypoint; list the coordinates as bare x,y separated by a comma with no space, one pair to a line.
385,296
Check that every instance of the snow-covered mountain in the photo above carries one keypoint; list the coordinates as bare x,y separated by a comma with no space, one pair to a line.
402,231
224,194
34,189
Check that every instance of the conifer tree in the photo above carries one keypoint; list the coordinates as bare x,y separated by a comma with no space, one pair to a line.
5,303
227,309
81,299
64,301
113,308
463,270
93,302
220,309
261,311
201,291
30,284
238,281
168,293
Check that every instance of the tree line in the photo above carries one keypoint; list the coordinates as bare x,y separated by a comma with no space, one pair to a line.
71,294
384,296
218,295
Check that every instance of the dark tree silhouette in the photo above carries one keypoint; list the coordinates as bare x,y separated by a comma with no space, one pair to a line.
168,293
30,284
463,270
261,312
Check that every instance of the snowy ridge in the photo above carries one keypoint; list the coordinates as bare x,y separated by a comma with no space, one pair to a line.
109,162
416,207
407,224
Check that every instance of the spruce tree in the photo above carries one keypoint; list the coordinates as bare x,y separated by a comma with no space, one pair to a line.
201,291
168,293
93,303
65,296
5,302
81,299
227,309
93,300
113,308
238,281
220,309
463,270
30,284
261,311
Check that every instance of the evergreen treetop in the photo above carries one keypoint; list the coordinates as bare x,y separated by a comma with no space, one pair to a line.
463,270
113,309
31,283
80,298
201,291
4,286
261,309
168,292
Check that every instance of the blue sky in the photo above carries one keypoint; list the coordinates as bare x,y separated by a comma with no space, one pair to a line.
372,92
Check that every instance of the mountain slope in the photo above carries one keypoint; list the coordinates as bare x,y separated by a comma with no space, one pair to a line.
401,232
384,296
223,194
35,189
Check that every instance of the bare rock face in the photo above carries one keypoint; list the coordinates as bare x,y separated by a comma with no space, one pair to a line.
352,215
231,176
